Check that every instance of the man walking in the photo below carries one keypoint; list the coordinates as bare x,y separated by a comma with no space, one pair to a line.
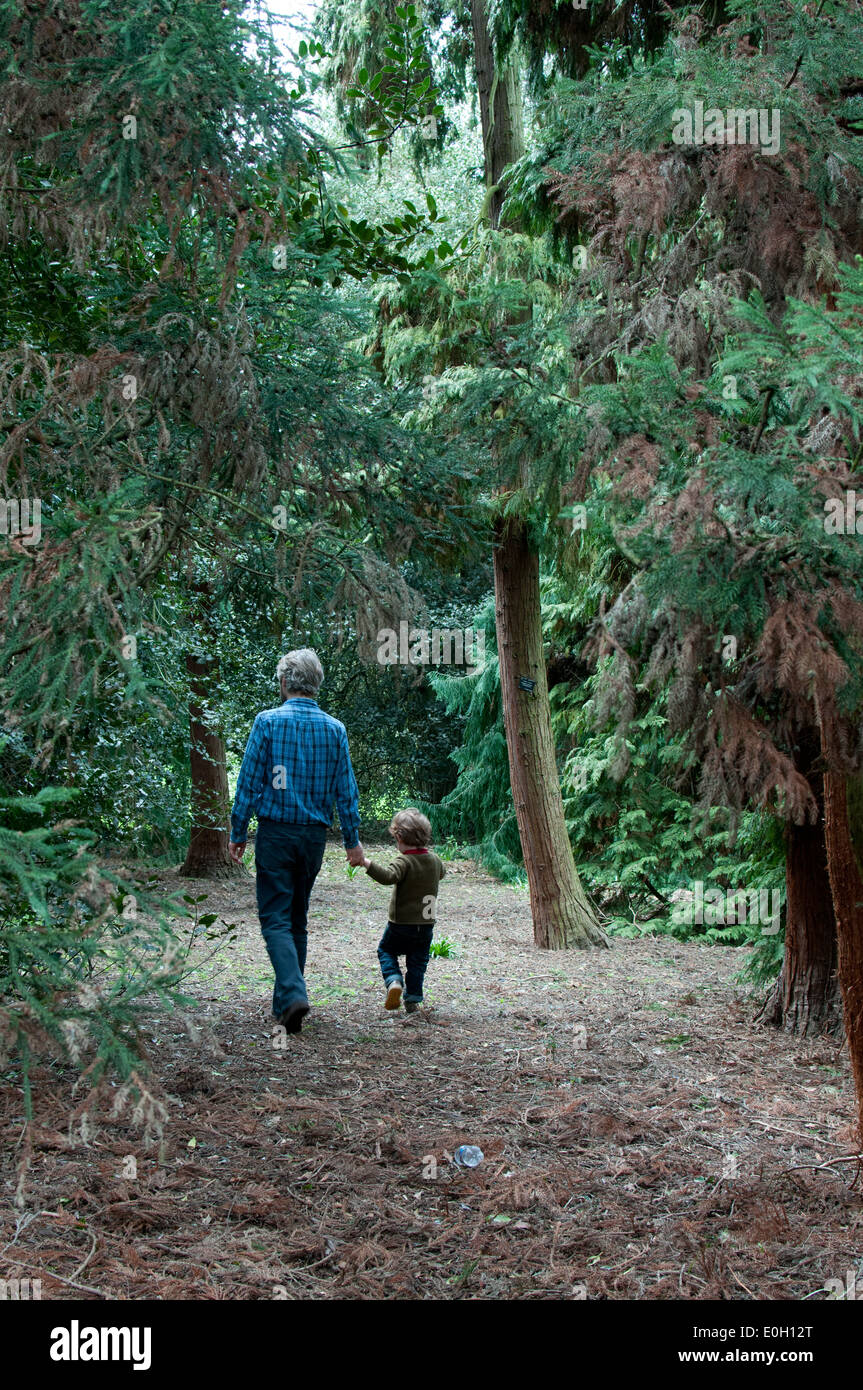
295,766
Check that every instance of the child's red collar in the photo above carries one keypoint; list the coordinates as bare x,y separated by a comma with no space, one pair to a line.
414,851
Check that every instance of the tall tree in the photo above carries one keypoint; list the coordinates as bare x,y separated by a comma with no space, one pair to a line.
207,856
843,816
562,914
734,541
501,388
498,83
806,998
667,233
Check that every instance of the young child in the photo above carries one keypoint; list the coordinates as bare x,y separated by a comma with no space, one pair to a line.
415,873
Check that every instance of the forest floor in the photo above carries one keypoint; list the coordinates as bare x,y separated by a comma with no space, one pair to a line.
641,1139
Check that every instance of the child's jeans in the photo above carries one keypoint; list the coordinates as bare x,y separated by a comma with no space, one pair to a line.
414,943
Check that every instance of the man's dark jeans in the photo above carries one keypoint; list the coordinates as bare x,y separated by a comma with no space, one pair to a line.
414,943
287,862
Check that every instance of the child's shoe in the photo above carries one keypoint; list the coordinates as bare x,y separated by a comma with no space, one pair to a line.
411,1006
394,994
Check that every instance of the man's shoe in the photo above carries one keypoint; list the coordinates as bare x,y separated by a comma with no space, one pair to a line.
394,994
411,1006
292,1018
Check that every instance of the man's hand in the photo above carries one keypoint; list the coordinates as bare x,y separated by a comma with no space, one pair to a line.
237,851
356,856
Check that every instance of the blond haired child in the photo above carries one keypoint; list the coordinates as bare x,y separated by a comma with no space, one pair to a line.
415,874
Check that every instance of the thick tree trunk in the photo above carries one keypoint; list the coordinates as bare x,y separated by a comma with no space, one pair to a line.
805,998
499,108
562,915
207,856
843,819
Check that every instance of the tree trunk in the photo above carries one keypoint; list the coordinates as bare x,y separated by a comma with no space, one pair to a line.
562,915
207,856
843,820
499,108
805,998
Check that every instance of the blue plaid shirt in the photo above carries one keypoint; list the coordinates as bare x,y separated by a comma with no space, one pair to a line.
295,766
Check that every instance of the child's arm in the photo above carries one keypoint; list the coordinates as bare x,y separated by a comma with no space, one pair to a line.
391,873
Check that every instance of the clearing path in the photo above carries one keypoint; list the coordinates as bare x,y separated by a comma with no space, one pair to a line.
640,1139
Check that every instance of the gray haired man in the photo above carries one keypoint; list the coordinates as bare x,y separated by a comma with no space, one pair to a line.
295,766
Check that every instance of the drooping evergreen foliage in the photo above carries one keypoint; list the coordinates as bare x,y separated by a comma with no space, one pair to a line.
746,595
182,399
657,245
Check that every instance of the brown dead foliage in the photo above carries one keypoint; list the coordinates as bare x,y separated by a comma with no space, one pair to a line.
324,1169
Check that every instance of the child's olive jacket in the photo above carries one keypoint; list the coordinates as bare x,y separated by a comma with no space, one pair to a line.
416,875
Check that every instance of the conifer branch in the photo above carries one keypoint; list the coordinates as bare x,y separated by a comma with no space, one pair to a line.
769,393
